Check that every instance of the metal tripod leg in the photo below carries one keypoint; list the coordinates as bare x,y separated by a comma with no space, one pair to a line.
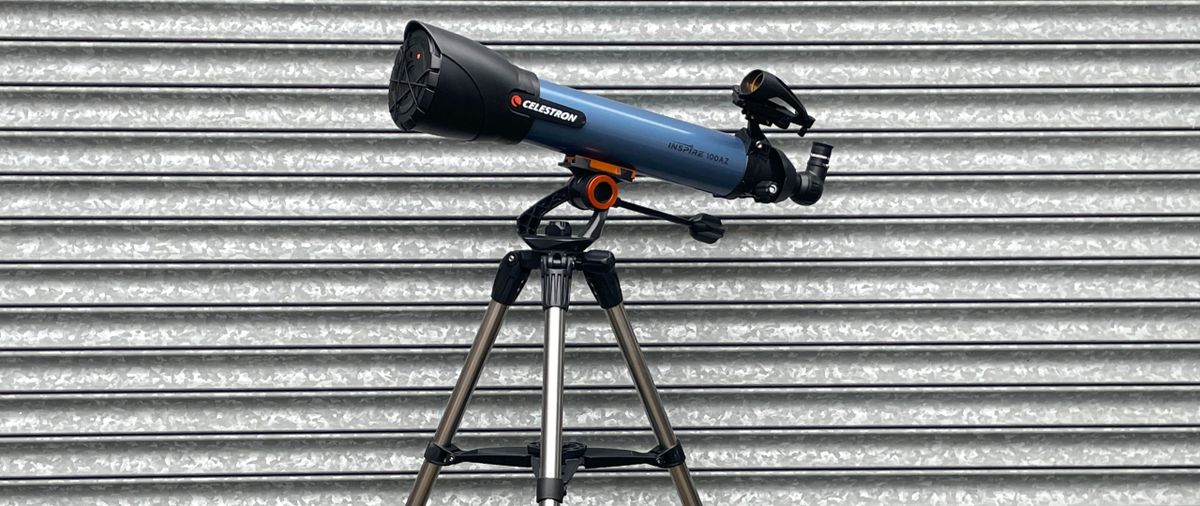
654,407
510,279
467,380
600,269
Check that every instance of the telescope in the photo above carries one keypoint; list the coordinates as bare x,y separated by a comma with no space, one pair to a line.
447,85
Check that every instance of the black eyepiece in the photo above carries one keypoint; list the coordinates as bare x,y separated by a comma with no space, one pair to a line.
810,184
822,149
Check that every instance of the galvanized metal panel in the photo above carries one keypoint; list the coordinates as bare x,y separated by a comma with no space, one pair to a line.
721,66
718,366
422,283
1008,243
489,198
813,449
203,327
393,153
333,240
616,408
609,22
1083,487
291,109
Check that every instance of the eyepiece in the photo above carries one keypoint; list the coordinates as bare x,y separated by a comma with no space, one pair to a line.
811,183
822,149
818,159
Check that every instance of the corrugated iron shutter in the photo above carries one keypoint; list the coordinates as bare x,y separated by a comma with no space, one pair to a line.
228,279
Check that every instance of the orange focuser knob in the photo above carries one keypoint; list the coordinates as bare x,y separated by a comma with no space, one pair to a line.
601,192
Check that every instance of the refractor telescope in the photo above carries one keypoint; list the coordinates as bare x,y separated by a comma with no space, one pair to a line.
447,85
451,86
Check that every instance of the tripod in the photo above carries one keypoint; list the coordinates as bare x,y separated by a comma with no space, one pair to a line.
557,254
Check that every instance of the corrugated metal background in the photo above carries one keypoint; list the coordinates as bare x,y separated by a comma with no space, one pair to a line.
229,280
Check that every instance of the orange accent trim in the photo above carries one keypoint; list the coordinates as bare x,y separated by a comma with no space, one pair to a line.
609,168
600,166
581,162
593,184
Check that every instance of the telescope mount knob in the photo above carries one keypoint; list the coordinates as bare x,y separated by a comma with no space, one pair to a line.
766,191
558,229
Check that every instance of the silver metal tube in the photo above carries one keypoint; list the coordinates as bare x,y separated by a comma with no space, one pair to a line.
424,484
467,380
655,411
640,372
552,396
684,486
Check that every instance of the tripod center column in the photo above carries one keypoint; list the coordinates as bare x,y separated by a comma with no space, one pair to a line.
556,297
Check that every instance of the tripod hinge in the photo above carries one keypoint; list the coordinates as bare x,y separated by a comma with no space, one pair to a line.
441,455
669,457
512,274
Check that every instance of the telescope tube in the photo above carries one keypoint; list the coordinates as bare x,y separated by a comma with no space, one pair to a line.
651,143
448,85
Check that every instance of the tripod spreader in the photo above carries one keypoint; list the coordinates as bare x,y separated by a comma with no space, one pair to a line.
526,456
575,455
586,457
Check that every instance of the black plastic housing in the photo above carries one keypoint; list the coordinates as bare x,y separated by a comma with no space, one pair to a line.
447,85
